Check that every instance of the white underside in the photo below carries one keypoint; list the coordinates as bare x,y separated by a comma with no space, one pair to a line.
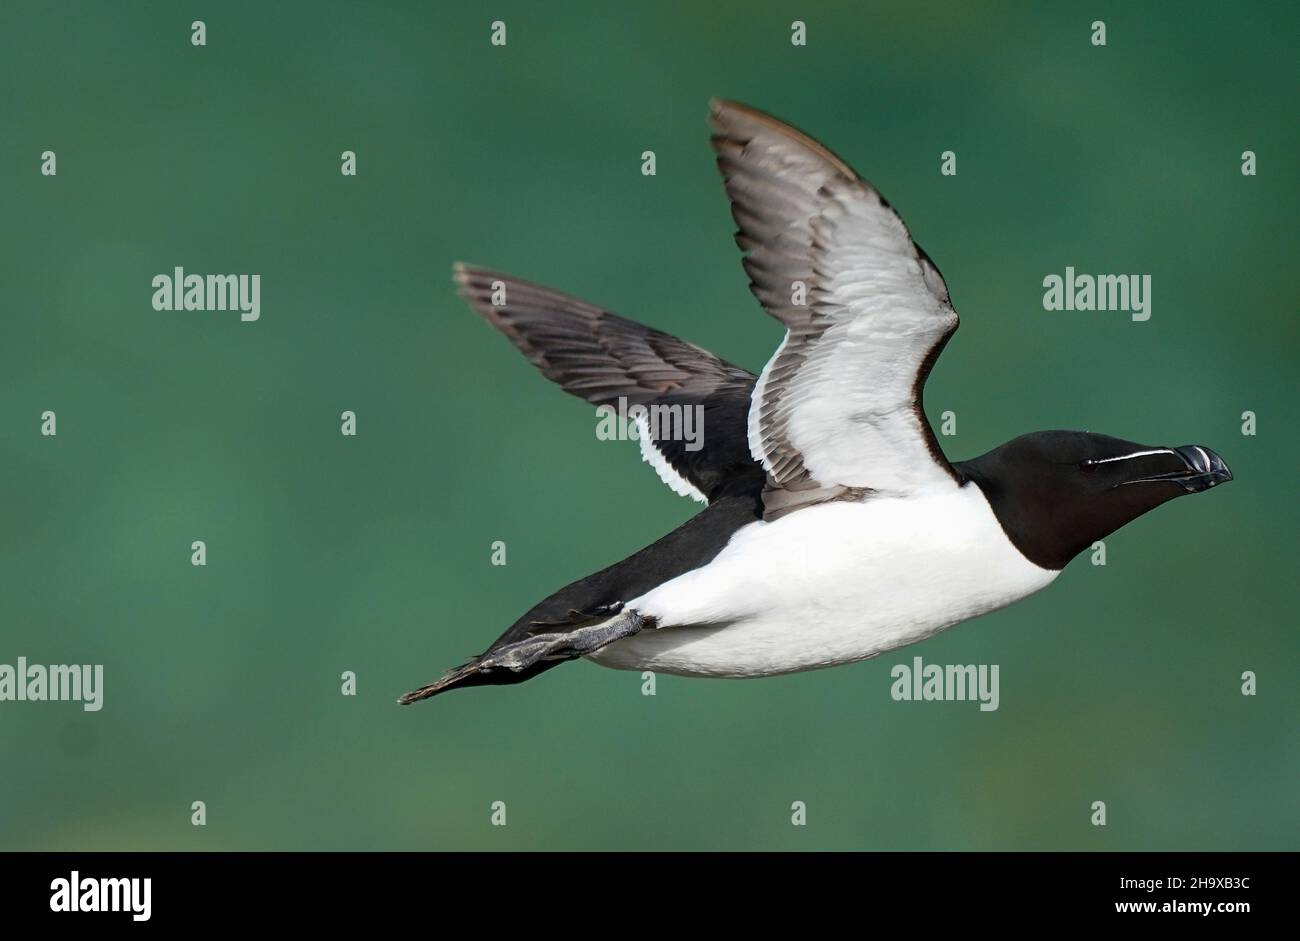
831,584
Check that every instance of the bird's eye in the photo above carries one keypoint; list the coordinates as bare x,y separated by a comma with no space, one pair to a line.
1087,465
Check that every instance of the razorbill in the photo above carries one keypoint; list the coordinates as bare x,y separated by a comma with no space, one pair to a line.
835,528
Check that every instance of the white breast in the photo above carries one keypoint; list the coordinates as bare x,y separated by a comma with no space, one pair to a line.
831,584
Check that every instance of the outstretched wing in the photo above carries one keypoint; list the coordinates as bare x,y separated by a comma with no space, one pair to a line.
693,431
837,411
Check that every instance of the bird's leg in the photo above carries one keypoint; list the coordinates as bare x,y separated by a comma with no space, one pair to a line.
576,618
522,654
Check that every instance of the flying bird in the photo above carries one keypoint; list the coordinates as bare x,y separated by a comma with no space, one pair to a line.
835,528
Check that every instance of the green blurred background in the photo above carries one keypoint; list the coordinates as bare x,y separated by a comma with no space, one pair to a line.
371,553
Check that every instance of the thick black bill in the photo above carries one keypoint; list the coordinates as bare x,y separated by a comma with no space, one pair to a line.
1204,470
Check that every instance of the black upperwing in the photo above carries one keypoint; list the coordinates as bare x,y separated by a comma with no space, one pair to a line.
602,358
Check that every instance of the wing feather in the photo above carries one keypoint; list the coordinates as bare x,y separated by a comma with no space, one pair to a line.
837,410
602,358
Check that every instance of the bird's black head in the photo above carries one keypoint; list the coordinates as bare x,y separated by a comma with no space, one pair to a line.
1057,492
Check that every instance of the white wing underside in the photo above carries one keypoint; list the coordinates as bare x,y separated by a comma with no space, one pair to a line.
851,410
836,410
